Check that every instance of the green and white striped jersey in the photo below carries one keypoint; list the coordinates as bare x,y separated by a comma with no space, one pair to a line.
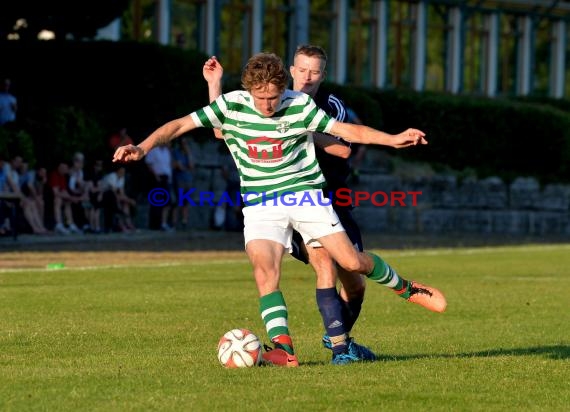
275,154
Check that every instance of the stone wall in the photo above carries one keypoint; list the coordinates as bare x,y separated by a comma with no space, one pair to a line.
485,206
470,206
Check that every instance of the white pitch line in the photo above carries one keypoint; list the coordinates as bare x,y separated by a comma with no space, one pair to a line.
102,267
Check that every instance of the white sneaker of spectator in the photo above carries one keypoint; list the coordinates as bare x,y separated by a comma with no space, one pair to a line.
59,228
74,229
166,228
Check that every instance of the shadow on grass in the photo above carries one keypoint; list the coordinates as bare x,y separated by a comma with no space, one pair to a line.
551,352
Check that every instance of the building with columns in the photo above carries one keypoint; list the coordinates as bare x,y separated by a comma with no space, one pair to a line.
480,47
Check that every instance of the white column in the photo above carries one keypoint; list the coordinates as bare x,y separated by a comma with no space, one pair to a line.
454,51
524,56
557,61
110,32
163,22
419,50
491,54
298,27
380,13
211,24
302,11
340,30
256,26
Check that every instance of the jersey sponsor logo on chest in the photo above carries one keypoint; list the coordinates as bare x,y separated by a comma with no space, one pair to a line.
265,150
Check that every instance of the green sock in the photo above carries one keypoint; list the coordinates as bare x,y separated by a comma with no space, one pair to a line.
274,314
385,275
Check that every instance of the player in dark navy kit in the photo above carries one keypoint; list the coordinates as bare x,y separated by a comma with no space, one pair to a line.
339,310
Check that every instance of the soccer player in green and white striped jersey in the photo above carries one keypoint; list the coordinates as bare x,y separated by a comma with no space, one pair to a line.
268,132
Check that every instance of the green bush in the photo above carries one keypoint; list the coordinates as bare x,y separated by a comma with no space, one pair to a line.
74,95
17,142
491,136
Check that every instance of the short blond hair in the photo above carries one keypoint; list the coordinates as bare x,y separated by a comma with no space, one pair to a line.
263,69
311,50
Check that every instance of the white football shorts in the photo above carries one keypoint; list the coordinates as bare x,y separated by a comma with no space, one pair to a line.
303,211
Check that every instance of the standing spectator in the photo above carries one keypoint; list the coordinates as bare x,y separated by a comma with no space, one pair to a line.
8,103
120,138
159,162
182,166
62,200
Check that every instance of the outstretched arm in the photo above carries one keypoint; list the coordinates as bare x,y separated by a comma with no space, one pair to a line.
160,136
367,135
213,72
331,145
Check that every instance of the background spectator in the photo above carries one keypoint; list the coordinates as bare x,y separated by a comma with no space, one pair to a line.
8,103
120,138
94,182
79,190
117,206
5,208
182,167
159,162
62,200
26,204
358,151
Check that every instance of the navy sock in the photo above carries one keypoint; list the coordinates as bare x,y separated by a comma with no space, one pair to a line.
330,306
350,312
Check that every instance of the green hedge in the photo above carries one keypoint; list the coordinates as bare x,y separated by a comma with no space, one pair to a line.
74,95
490,136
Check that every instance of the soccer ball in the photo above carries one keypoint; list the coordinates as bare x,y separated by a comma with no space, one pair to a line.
239,348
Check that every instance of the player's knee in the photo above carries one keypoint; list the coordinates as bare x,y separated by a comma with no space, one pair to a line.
351,263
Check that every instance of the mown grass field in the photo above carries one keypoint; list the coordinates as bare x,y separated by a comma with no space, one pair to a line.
138,332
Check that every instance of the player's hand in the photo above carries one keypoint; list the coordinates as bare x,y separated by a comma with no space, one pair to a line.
212,70
410,137
128,153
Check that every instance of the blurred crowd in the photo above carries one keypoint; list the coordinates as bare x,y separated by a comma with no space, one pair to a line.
90,196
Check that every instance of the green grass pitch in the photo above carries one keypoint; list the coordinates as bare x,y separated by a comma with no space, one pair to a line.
144,338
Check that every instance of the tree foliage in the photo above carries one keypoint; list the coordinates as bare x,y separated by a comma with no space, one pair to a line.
64,17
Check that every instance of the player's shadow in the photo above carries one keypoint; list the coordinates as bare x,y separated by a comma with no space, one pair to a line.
551,352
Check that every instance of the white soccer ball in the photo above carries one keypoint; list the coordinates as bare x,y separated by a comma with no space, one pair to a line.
239,348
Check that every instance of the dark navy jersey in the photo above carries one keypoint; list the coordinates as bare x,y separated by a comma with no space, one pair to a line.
335,169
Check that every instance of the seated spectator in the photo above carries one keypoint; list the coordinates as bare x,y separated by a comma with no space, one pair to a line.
79,190
94,180
5,211
26,203
117,206
39,185
62,200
